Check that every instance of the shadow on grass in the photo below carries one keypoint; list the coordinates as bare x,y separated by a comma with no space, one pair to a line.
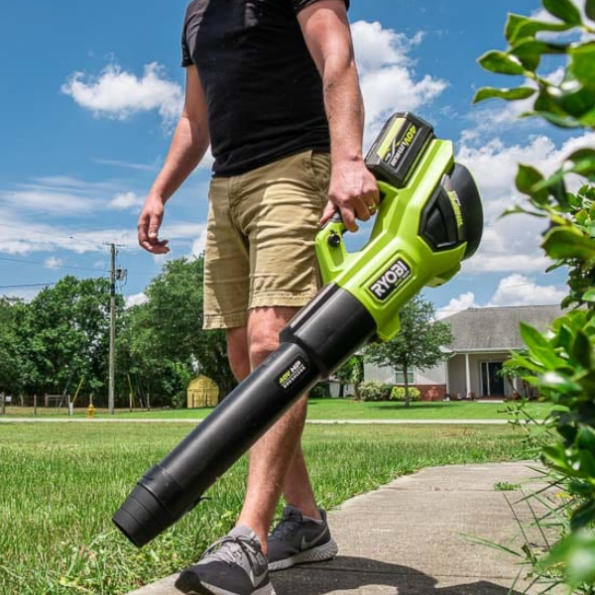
349,573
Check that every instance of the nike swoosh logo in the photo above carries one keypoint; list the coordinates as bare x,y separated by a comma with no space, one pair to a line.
306,545
257,578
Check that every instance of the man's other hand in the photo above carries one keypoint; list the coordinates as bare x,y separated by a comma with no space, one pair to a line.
149,224
353,192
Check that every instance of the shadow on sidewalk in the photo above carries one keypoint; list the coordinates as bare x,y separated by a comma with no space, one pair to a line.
367,576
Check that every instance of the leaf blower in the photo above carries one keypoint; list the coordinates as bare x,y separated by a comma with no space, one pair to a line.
429,220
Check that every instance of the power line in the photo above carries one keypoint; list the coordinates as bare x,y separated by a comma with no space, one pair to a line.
56,235
44,264
27,285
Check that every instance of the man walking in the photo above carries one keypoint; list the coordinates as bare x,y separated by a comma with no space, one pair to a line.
273,87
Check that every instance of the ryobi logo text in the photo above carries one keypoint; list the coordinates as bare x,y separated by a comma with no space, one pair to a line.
394,276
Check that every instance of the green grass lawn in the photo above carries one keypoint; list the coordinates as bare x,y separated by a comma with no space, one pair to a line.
62,483
342,409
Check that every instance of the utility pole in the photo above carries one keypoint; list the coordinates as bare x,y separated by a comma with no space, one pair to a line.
112,329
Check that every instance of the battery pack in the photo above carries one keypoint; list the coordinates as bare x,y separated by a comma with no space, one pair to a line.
393,156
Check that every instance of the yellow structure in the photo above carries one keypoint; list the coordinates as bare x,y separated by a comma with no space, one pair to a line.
202,392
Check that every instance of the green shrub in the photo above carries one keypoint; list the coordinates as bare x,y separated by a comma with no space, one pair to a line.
398,394
373,390
561,362
321,391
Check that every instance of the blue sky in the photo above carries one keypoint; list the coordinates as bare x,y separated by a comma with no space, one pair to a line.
91,91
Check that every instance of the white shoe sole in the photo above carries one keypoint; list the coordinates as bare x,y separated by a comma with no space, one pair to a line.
266,590
321,553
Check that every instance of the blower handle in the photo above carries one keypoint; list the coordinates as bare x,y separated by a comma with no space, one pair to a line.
339,227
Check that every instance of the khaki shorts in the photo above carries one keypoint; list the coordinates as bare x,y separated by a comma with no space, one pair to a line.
260,238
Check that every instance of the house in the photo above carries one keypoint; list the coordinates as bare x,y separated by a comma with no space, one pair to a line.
484,338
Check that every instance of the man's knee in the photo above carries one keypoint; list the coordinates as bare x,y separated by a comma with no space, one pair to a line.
237,352
264,326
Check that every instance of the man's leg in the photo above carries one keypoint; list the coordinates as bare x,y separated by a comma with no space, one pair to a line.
272,457
297,489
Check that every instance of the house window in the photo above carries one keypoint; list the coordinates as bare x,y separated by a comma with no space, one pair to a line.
400,377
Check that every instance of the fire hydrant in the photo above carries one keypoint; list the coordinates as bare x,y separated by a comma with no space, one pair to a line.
91,410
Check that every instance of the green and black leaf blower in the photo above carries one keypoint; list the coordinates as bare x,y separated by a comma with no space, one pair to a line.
429,220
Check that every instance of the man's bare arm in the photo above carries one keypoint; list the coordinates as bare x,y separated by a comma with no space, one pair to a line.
189,144
353,188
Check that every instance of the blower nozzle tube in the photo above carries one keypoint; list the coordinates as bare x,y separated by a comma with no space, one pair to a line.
323,335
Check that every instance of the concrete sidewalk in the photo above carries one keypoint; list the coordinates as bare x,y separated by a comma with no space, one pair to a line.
407,538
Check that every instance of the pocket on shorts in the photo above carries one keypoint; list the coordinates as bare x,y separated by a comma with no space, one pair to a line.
318,166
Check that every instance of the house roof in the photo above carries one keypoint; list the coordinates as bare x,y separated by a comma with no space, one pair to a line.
489,329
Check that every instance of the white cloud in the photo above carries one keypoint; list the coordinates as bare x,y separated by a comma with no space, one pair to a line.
126,164
57,196
53,263
518,290
457,304
136,300
199,244
27,295
24,236
514,290
512,244
388,80
47,201
118,94
126,200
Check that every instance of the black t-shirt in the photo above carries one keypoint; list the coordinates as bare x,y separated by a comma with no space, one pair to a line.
263,91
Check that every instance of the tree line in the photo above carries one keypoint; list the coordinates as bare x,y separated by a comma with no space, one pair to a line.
59,341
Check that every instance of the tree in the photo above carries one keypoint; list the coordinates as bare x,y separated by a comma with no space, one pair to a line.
351,372
418,344
162,341
10,363
62,336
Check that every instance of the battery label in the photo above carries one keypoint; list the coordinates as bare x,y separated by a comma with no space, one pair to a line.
400,146
390,279
292,374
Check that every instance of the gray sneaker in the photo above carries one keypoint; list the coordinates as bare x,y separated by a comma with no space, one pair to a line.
234,565
298,540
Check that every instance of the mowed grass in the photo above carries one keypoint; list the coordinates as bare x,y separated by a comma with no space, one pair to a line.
60,485
341,409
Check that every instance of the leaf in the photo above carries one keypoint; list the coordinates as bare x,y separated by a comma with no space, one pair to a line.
523,362
583,516
560,383
513,23
533,338
565,10
590,9
529,51
558,191
581,63
556,455
501,63
520,27
527,177
507,94
575,101
559,121
586,438
582,350
588,119
565,242
589,295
